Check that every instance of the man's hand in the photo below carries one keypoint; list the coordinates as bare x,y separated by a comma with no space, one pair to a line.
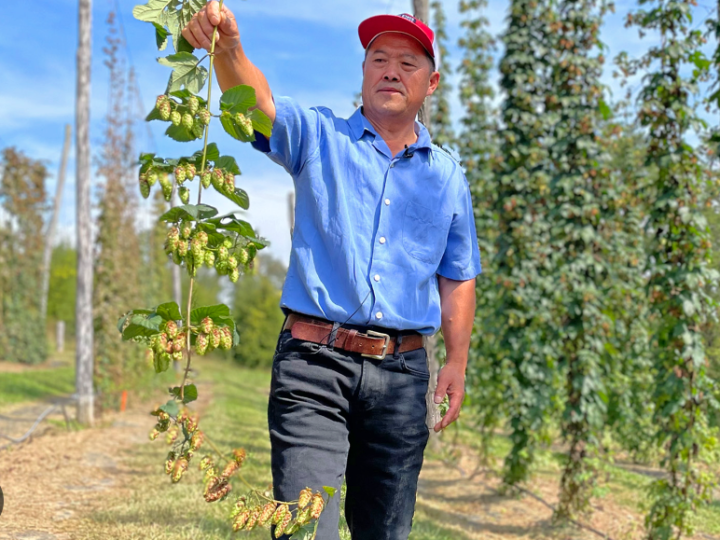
199,30
451,382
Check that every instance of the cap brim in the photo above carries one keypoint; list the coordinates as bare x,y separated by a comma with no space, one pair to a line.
381,24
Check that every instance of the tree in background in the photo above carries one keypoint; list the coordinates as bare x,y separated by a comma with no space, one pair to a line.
478,149
440,124
679,266
117,265
157,281
63,278
258,318
23,197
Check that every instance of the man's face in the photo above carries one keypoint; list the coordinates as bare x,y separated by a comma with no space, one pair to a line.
397,76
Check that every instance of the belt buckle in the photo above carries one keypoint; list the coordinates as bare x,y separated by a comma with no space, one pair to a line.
385,345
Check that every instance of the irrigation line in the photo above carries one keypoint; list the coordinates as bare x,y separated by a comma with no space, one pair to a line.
39,419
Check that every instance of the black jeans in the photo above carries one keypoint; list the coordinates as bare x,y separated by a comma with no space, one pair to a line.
333,413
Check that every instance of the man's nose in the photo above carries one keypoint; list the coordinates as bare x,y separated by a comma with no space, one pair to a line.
391,76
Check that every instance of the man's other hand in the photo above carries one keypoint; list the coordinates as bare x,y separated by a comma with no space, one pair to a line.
199,30
451,382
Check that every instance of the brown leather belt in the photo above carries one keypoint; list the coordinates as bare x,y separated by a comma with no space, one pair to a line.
372,344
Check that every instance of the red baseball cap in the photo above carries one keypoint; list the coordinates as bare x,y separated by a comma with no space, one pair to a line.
370,28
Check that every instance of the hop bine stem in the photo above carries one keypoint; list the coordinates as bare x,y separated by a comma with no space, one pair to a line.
200,189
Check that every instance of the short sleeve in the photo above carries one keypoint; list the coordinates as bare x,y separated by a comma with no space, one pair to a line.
295,135
461,260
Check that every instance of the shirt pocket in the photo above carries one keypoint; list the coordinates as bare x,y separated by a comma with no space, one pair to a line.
424,233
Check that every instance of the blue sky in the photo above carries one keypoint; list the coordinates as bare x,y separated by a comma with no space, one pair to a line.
308,50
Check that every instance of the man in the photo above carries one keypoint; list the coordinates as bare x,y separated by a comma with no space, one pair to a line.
384,252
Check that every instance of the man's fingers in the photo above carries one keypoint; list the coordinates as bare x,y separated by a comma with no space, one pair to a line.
441,389
228,24
453,412
213,13
202,40
188,35
205,25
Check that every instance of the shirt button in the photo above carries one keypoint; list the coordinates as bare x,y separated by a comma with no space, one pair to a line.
377,277
387,202
382,239
378,315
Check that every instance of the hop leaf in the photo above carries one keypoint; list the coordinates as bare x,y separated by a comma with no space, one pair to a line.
193,104
184,194
304,498
179,174
317,505
176,118
188,121
206,179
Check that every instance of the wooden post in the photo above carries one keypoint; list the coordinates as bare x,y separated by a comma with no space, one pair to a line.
60,336
421,10
49,236
83,302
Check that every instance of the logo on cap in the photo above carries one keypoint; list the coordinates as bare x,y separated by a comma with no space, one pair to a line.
408,17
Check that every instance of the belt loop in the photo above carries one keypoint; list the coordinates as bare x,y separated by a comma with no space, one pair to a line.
398,342
333,335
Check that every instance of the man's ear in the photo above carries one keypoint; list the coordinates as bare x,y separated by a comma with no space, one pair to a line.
434,82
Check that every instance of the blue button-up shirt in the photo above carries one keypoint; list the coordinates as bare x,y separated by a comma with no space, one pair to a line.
372,230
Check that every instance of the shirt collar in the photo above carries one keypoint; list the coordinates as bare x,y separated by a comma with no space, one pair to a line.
359,124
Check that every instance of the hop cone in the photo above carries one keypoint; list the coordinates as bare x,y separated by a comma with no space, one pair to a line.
202,237
243,256
223,253
209,259
196,247
229,184
144,189
216,489
266,513
152,177
171,435
188,120
303,516
206,179
239,455
245,124
181,465
201,344
204,116
232,262
154,434
221,267
252,520
226,340
184,194
190,171
215,338
193,104
240,502
317,505
230,469
177,356
166,185
165,111
197,129
170,463
240,520
177,259
161,343
283,524
176,118
185,230
190,265
218,179
228,242
205,463
160,100
279,514
234,275
171,329
206,325
196,441
180,174
304,498
292,529
178,344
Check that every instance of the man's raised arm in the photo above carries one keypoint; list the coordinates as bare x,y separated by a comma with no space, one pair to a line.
231,65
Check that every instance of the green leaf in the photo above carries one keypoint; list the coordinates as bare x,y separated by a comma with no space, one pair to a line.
219,311
122,320
152,11
228,163
187,72
183,45
161,362
169,311
154,115
239,197
604,109
161,36
212,154
180,133
306,532
142,326
193,212
238,99
261,122
232,129
233,224
171,407
330,490
191,393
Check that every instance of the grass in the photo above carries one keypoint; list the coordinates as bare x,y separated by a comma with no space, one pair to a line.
35,385
236,417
